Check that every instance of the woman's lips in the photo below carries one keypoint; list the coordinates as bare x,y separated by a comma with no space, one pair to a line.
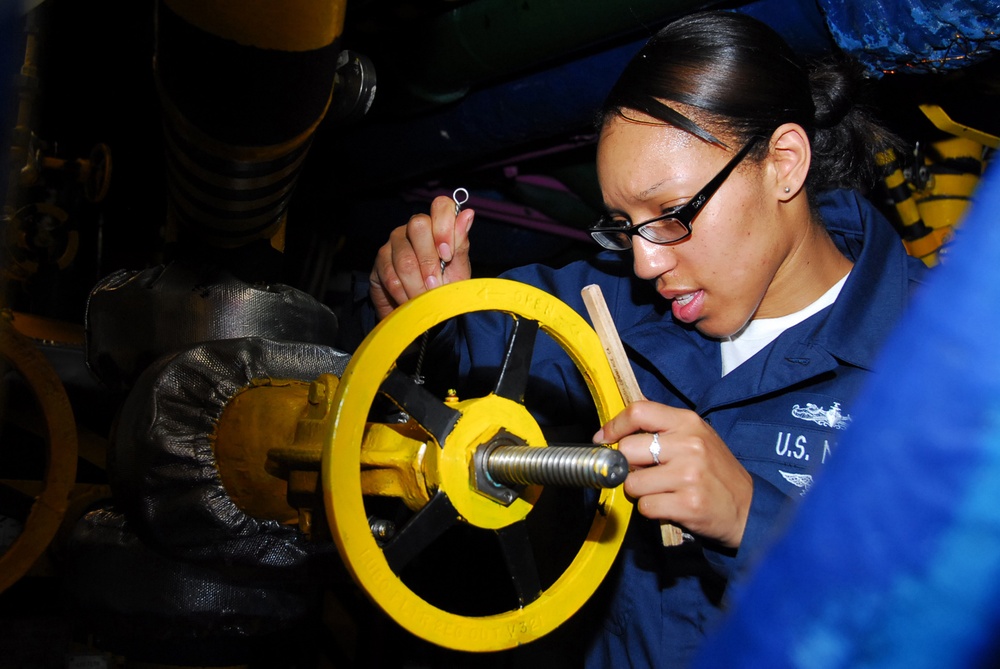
687,307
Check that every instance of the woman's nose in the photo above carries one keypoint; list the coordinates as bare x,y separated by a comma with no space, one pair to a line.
650,260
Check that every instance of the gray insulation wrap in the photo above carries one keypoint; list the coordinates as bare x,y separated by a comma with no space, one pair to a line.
133,317
162,466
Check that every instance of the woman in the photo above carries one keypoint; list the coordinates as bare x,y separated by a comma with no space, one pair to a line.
727,170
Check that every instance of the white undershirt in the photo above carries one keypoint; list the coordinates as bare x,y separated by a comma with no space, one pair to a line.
760,332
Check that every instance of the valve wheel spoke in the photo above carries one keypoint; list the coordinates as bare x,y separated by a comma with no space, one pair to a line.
515,542
513,378
420,404
436,517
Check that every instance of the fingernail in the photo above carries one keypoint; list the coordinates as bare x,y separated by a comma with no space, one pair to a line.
431,282
599,437
444,251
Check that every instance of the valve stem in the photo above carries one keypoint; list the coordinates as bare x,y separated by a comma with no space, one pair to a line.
568,466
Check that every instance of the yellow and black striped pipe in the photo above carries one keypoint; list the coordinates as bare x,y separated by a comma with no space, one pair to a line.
921,241
931,206
243,85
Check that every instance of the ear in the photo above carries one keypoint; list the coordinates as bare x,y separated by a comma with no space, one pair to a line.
789,157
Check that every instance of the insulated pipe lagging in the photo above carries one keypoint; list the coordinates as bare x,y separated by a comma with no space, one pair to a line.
243,86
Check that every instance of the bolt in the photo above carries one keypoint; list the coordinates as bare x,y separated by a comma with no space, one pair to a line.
317,392
383,530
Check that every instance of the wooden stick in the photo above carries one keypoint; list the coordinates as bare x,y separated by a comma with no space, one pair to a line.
593,298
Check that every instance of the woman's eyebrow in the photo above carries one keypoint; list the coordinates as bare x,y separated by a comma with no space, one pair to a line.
652,190
643,195
658,186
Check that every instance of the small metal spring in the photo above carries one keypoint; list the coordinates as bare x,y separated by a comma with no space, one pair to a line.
568,466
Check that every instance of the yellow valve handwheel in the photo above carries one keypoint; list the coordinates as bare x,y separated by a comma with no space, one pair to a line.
50,504
449,436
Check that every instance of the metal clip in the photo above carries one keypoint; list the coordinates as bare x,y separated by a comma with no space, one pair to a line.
460,196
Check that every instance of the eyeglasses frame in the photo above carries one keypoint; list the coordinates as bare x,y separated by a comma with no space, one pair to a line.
685,213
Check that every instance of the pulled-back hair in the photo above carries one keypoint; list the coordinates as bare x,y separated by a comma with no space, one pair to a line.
736,78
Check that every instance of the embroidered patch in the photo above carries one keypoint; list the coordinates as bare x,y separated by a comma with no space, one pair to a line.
831,417
798,480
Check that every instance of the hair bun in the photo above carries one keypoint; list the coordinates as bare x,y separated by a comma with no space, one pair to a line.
835,86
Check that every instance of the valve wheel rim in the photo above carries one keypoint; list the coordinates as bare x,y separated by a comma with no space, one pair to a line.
49,507
369,563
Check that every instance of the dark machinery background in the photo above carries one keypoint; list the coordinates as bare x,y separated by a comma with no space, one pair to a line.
491,95
503,110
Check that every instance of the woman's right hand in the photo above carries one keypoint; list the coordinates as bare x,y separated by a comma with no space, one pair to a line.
696,481
410,262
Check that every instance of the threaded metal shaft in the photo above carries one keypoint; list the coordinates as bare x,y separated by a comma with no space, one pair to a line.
568,466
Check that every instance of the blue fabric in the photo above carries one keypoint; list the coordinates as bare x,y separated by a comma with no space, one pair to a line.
893,559
915,35
781,413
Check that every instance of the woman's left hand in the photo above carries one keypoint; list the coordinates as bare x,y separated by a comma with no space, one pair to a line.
699,484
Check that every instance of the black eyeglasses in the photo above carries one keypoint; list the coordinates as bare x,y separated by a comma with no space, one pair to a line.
671,226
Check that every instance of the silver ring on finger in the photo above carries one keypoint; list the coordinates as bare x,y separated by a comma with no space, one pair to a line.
654,448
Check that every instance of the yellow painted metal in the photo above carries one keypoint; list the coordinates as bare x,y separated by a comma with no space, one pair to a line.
402,461
49,330
351,449
931,209
946,199
394,462
939,117
896,182
289,25
252,423
943,202
268,445
482,418
52,500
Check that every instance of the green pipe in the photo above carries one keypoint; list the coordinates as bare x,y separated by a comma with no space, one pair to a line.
486,40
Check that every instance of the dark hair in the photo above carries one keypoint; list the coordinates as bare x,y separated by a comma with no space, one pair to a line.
742,79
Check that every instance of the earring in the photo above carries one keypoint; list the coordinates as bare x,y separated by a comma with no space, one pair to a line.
787,189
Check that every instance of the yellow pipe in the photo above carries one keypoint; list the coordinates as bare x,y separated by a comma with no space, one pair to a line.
276,427
288,25
254,421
